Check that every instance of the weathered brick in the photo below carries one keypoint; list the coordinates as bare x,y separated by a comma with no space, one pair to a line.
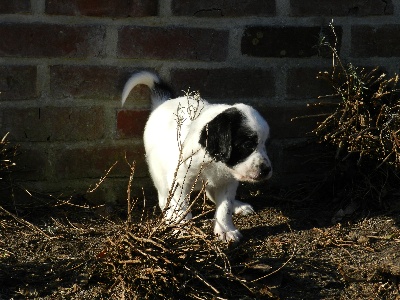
51,40
302,83
220,8
172,43
368,41
293,121
18,82
262,41
130,123
340,7
103,8
15,6
93,82
93,162
225,83
43,124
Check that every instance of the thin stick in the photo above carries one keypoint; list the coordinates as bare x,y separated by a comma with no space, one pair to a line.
203,280
128,192
144,240
5,250
26,223
277,270
130,261
101,179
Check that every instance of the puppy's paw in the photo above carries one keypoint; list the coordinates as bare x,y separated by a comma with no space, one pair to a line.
241,208
227,235
232,236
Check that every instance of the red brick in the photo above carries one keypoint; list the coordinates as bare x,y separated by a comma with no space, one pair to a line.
42,124
130,123
340,7
93,82
302,83
51,40
226,83
18,82
287,41
15,6
173,43
368,41
103,8
220,8
93,162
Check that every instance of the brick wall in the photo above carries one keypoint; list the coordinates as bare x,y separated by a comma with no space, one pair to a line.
63,65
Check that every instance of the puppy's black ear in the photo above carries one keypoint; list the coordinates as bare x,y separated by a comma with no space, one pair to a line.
216,136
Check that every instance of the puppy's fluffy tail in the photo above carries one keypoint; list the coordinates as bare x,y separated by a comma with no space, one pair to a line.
160,92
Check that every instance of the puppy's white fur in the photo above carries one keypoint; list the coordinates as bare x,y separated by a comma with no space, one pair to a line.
180,157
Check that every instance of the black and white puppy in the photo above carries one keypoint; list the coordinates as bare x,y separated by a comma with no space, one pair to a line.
190,142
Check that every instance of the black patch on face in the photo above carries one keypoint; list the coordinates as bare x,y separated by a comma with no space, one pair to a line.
244,143
227,139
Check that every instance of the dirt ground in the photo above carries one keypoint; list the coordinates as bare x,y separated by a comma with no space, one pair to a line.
290,250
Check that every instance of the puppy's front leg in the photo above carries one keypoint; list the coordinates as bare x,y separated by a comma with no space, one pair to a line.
224,228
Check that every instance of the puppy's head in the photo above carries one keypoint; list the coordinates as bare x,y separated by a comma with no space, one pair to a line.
237,137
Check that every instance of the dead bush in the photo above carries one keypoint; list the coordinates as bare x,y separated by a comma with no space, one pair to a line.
364,130
366,121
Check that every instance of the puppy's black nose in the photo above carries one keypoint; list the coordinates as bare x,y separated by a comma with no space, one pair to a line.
265,170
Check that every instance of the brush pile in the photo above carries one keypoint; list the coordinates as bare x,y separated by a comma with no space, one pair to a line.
364,130
367,120
154,260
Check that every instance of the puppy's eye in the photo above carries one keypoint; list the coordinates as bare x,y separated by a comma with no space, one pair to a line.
248,145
